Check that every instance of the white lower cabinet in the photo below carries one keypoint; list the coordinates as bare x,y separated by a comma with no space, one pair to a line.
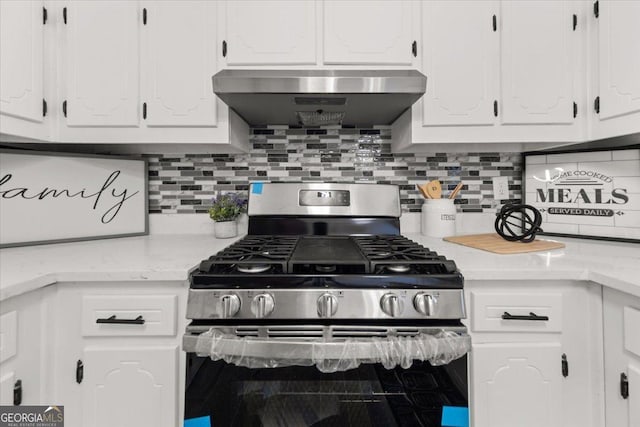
517,385
22,344
127,374
130,386
622,359
536,358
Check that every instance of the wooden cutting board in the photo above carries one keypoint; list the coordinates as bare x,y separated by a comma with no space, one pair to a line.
493,243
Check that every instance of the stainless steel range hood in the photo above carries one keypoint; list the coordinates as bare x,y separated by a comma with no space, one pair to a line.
315,97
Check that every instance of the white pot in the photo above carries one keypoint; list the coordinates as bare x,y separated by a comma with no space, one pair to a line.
438,218
225,229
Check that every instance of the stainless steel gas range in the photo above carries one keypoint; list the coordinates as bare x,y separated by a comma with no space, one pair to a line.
325,315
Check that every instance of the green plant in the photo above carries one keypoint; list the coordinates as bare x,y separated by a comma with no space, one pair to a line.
227,207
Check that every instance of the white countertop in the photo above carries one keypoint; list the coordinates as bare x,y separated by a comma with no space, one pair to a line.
170,257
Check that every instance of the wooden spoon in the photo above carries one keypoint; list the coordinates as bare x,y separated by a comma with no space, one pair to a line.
434,189
423,191
455,191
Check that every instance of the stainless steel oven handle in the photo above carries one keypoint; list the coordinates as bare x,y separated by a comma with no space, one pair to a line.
363,349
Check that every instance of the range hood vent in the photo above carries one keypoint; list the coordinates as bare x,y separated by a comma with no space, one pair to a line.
316,97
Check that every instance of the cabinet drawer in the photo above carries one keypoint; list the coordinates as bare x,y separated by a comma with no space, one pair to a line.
129,315
632,330
8,335
516,312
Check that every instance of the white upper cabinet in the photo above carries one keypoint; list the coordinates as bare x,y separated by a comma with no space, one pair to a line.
269,32
22,71
619,62
616,69
459,57
178,64
369,32
537,64
102,63
21,59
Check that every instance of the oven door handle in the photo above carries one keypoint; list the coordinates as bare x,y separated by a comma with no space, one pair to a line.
439,348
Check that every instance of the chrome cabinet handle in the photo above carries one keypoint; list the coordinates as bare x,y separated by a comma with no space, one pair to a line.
113,320
530,316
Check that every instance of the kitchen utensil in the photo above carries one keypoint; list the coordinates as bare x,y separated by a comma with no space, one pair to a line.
434,189
423,191
455,191
491,242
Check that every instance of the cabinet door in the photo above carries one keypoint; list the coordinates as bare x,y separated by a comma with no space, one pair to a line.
102,39
130,386
371,32
619,58
179,58
621,356
516,385
537,62
460,59
270,32
7,382
21,59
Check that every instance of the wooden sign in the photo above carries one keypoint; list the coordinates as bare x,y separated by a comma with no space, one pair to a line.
593,194
54,197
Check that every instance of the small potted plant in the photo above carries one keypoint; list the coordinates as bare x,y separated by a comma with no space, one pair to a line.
224,211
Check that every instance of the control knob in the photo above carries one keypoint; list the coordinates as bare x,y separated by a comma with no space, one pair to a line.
229,305
262,305
425,303
391,304
327,305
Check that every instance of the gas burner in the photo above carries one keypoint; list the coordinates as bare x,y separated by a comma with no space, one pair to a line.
380,254
398,268
253,268
325,268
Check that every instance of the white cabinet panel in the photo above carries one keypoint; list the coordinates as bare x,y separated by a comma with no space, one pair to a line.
102,45
371,32
130,386
8,335
460,59
634,398
21,59
179,64
619,323
516,385
270,32
619,58
7,382
537,62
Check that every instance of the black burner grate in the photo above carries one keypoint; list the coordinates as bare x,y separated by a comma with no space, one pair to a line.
253,254
399,255
327,255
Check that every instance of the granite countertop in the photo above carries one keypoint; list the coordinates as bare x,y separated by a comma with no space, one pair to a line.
170,257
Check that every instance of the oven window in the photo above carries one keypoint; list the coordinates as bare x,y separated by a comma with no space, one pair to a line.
303,396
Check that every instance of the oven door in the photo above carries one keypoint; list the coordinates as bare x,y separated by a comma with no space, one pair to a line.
273,376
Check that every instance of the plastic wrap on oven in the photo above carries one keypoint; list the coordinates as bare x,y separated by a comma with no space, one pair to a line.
333,355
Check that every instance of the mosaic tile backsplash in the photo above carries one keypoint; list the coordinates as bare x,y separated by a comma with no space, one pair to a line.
186,183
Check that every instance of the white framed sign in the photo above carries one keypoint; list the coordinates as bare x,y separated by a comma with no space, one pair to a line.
591,194
60,197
